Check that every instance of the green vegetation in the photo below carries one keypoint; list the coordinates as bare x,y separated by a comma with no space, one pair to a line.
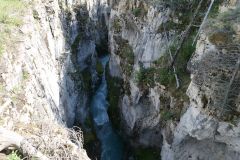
168,26
185,54
145,77
87,80
2,87
88,122
147,154
125,52
166,115
25,75
117,24
14,156
99,68
165,77
1,50
140,10
11,12
215,8
137,12
89,138
36,15
170,114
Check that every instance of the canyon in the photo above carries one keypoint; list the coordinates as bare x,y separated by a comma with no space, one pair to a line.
127,79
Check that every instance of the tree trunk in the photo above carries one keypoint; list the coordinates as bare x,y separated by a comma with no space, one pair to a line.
186,33
205,18
170,53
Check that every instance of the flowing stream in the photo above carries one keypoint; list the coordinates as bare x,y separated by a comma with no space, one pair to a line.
111,145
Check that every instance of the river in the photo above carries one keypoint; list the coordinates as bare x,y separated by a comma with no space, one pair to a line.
111,145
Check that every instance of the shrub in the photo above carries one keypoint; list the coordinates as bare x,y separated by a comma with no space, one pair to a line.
117,25
125,52
137,12
13,156
145,77
25,75
146,154
166,115
165,76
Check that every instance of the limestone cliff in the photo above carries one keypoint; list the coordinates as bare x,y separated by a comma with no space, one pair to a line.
39,96
184,106
210,126
202,124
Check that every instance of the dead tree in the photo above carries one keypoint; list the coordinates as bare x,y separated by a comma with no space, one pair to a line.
228,89
218,76
186,33
205,18
171,57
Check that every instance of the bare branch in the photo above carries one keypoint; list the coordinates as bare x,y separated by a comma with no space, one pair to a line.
186,33
230,83
205,18
170,53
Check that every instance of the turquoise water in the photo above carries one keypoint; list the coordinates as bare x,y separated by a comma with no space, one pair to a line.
111,145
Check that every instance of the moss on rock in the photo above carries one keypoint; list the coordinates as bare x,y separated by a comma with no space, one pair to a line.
114,94
116,24
125,52
99,68
147,154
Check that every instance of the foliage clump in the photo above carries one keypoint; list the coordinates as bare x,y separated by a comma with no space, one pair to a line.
125,52
138,12
117,25
14,156
145,77
146,154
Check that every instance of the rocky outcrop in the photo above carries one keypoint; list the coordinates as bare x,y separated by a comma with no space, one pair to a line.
151,110
132,40
210,127
38,91
50,72
137,43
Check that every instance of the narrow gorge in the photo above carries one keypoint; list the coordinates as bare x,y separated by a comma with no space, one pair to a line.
120,79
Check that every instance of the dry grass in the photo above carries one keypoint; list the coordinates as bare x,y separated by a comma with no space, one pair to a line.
11,12
46,134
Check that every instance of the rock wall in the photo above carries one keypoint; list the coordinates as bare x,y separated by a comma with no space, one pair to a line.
207,128
137,42
39,94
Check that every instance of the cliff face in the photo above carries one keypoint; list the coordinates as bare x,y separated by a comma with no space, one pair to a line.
209,128
156,114
50,70
38,92
134,39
